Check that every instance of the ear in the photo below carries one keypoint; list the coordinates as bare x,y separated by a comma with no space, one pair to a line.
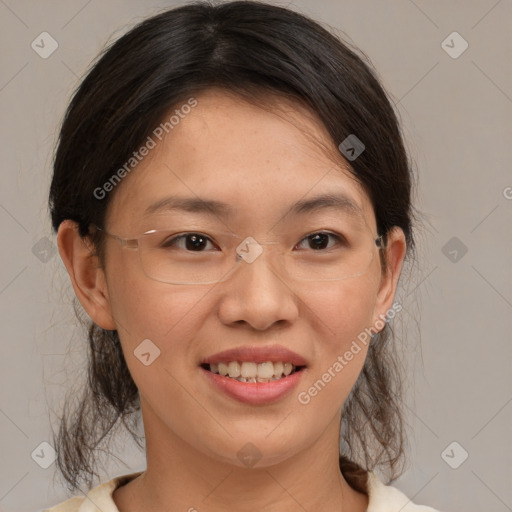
86,274
395,252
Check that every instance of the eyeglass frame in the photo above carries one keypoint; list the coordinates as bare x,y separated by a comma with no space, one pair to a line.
133,243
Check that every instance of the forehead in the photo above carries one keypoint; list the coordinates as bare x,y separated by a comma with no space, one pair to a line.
256,160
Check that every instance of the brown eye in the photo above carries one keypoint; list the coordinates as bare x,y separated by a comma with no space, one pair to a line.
194,242
319,241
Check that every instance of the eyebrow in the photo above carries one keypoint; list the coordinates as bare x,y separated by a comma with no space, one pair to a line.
210,207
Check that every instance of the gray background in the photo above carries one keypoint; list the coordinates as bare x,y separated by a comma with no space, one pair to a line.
455,114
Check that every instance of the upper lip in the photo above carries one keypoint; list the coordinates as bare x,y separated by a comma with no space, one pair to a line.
256,354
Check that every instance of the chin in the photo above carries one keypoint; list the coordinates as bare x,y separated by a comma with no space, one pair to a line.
255,451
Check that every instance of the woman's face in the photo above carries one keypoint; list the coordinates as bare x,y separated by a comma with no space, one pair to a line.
260,164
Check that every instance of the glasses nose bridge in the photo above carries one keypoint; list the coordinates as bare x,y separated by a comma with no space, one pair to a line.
250,249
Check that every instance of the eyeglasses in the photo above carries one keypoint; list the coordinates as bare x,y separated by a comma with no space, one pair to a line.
174,257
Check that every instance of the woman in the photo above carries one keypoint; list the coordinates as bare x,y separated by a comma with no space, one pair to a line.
232,200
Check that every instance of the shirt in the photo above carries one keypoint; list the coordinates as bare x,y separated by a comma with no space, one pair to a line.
381,498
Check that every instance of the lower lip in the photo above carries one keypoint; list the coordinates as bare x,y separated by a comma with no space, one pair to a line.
254,393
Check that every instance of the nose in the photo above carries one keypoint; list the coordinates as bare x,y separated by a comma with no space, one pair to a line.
258,293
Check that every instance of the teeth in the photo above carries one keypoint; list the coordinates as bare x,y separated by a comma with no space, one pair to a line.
248,371
265,370
234,369
278,368
223,369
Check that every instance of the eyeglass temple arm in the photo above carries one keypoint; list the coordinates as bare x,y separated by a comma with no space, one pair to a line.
125,242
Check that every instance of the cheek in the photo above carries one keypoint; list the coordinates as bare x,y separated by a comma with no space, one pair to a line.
169,317
147,309
342,317
341,311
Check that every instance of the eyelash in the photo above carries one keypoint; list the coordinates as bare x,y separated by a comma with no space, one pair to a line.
338,237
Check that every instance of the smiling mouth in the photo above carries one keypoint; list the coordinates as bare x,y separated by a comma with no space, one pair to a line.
248,371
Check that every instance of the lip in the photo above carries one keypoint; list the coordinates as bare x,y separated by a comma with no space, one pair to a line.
254,393
256,354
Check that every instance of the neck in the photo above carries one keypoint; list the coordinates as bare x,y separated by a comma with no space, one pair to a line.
180,477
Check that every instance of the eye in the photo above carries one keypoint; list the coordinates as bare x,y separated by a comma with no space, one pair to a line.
192,242
318,241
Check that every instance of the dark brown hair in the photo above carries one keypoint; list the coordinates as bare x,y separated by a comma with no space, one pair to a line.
254,50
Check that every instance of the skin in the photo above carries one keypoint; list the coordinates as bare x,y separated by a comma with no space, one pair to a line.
231,150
